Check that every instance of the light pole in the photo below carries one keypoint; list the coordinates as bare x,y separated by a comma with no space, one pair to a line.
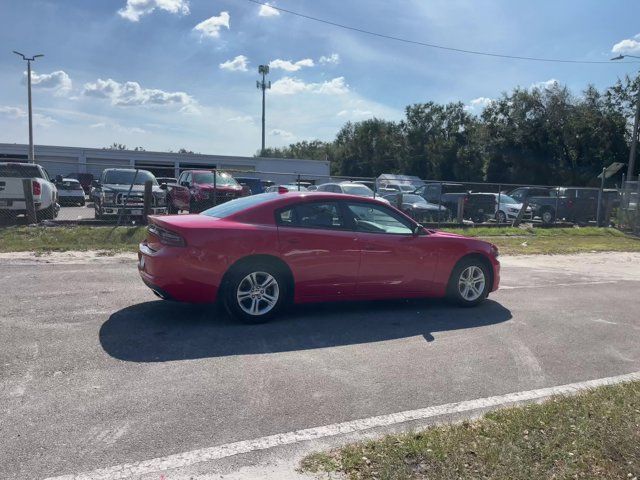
29,60
263,85
634,138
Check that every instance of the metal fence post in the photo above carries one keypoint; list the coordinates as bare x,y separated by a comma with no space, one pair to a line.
600,197
636,223
148,199
439,204
498,207
555,214
298,182
123,209
30,206
215,187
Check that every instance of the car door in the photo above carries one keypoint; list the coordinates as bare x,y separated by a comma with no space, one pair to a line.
321,251
394,262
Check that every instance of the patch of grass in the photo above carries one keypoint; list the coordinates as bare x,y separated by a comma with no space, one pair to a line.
79,238
592,435
521,241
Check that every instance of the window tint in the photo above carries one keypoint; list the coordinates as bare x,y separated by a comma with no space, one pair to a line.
234,206
378,219
312,215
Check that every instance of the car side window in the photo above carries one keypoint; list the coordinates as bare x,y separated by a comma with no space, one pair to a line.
325,215
369,218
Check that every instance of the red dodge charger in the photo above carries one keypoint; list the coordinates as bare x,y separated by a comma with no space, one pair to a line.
258,253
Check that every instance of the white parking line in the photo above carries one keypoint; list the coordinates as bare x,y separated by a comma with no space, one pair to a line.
186,459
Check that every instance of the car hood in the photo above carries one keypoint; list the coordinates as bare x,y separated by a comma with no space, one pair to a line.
425,206
209,187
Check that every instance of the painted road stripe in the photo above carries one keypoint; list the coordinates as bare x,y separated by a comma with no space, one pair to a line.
187,459
572,284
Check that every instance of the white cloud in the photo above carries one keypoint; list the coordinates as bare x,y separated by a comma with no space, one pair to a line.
355,113
58,82
211,26
238,64
628,45
332,59
17,113
248,119
292,86
478,104
116,127
132,94
276,132
134,9
546,84
268,11
290,66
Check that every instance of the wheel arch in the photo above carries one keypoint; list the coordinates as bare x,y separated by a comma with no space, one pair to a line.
474,255
272,260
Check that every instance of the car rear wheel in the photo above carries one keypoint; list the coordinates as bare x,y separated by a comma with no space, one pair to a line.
255,293
501,217
547,216
469,284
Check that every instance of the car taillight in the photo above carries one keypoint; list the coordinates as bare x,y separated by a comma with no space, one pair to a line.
167,237
37,188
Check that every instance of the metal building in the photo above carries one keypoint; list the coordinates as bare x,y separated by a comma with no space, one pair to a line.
65,160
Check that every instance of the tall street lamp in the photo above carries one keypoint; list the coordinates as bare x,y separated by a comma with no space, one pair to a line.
29,60
634,139
263,85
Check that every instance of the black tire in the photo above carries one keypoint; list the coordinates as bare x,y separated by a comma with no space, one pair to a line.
501,217
455,289
238,281
548,216
96,210
192,206
48,213
171,210
82,202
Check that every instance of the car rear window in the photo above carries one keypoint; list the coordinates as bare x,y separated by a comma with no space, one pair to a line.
19,171
234,206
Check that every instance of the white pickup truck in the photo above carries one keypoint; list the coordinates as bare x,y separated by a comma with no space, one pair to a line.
12,199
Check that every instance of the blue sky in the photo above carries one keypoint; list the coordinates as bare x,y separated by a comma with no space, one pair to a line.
166,74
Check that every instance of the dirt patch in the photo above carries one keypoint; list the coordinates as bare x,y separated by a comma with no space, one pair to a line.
67,258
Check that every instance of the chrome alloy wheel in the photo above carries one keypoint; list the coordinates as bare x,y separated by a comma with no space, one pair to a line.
471,283
257,293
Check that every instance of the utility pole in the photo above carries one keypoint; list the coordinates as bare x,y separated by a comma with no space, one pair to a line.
29,60
263,85
634,138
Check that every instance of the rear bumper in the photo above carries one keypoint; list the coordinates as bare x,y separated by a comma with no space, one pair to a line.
177,273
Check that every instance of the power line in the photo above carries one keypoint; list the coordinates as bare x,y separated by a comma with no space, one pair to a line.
430,45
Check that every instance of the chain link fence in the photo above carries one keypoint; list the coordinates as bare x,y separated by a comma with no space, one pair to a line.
119,194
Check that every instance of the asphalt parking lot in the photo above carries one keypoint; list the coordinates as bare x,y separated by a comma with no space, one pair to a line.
95,371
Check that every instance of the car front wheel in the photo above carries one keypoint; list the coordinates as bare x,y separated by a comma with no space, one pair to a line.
469,284
255,293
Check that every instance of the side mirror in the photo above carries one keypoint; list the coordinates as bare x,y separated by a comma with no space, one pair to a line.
184,184
417,230
95,183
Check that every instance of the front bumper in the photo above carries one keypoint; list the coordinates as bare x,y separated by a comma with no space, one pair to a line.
131,211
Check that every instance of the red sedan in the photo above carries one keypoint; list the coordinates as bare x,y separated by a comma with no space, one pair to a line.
258,253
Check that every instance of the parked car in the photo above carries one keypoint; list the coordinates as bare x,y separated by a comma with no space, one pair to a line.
12,197
257,254
417,207
198,190
85,179
121,190
349,188
506,208
572,204
70,191
164,181
292,187
254,185
389,188
443,193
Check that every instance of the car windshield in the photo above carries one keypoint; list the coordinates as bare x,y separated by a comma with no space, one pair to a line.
223,179
506,198
410,198
407,188
234,206
126,177
357,189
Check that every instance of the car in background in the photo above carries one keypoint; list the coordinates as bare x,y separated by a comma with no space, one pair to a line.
70,191
121,191
508,208
417,207
164,181
258,254
389,188
12,195
254,185
578,205
350,188
198,190
292,187
443,193
85,179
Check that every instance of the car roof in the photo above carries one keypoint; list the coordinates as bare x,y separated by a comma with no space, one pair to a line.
65,179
